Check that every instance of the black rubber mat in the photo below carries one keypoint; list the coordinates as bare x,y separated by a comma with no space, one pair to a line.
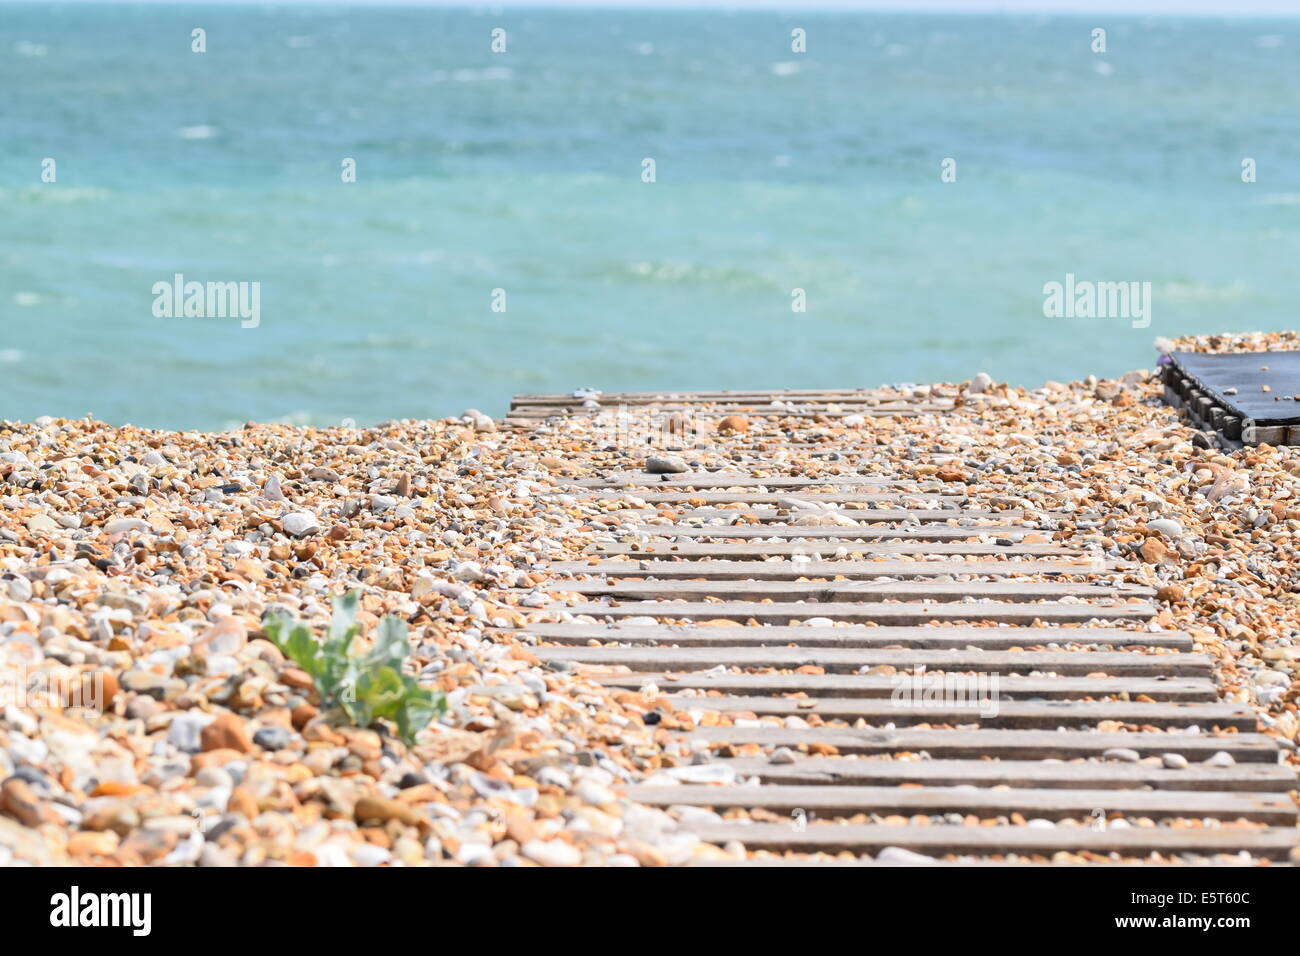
1236,383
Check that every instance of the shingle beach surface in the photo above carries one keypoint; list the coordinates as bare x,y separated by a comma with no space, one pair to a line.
141,564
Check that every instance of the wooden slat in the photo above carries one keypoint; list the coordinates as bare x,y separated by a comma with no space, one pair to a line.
821,801
864,532
846,661
876,686
1003,744
765,860
710,410
759,550
855,635
1091,774
788,570
777,498
748,405
751,406
766,394
1268,843
716,479
882,613
1002,713
643,519
540,413
834,592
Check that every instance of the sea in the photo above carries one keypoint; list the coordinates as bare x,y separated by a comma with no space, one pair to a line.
433,209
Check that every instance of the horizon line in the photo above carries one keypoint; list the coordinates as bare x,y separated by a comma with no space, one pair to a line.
1226,9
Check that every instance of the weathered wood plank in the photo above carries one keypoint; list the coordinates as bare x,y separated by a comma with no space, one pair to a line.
863,532
1268,843
998,744
848,568
769,515
711,409
822,860
878,390
876,686
758,406
1085,805
881,613
847,661
786,499
702,417
1090,774
718,479
850,591
1002,713
855,635
761,550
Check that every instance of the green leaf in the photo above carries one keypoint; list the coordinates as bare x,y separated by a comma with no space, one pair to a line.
365,688
391,643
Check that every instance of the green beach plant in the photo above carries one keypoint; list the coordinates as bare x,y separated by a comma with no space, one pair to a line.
361,688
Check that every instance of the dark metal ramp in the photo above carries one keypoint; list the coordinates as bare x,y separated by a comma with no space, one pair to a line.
1247,398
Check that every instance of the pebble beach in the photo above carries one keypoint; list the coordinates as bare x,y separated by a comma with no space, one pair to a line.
156,724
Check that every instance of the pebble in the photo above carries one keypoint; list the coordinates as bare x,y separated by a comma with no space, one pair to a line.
666,465
151,685
125,526
1166,526
733,424
272,489
185,732
226,732
374,808
1123,754
899,856
1174,761
1220,759
367,854
782,755
300,524
551,852
272,738
42,524
590,792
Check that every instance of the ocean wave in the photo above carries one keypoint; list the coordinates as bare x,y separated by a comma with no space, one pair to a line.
689,272
54,193
467,75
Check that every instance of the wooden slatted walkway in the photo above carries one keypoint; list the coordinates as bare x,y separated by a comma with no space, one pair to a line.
853,660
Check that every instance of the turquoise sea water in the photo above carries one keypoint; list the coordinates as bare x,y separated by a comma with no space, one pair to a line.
522,171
